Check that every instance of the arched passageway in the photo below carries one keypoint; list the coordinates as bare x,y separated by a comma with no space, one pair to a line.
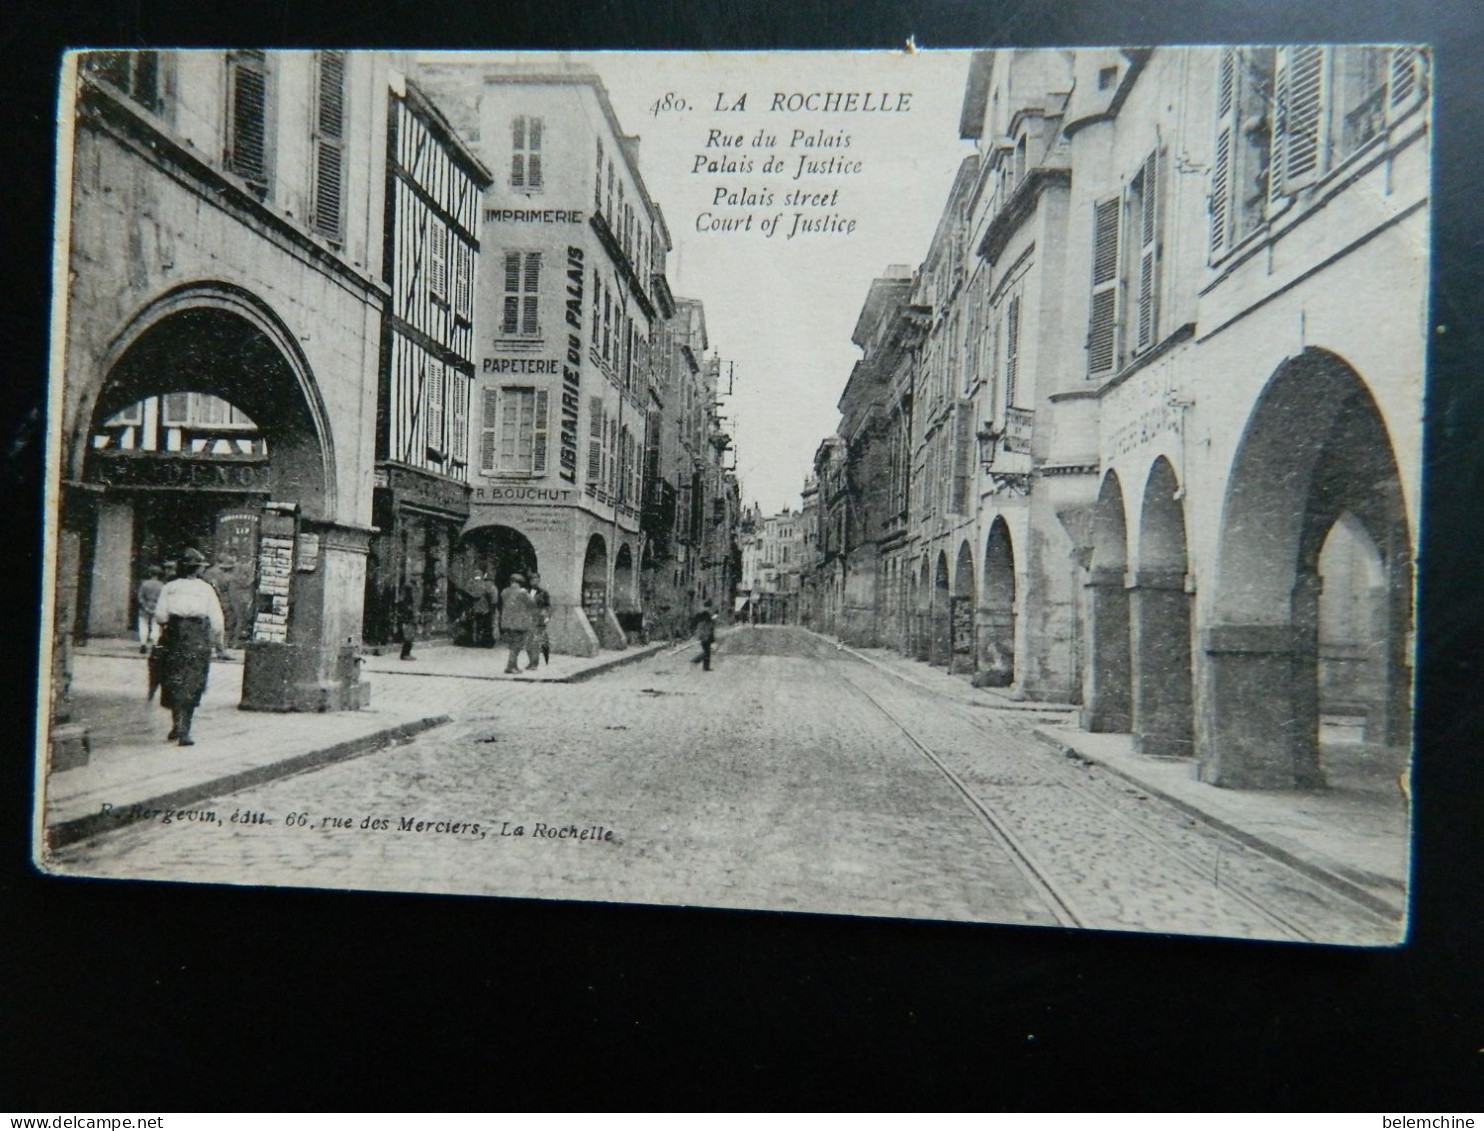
997,607
625,595
940,627
194,373
963,611
1315,453
1108,685
1159,616
922,591
497,552
1352,628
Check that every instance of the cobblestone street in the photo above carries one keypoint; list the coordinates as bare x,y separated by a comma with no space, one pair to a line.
794,776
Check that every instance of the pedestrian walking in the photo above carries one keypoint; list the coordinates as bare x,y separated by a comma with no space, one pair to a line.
190,615
703,624
221,575
541,600
517,617
148,597
407,617
483,598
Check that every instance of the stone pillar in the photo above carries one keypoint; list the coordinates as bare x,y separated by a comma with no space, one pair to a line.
1389,713
1109,707
318,668
111,595
569,631
997,645
67,737
1259,724
1159,638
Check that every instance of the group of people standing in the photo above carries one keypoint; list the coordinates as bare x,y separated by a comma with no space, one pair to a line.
522,610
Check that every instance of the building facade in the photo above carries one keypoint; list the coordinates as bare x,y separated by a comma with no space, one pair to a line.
223,313
569,296
434,188
1166,402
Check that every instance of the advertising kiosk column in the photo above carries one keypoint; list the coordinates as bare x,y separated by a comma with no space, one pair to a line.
285,650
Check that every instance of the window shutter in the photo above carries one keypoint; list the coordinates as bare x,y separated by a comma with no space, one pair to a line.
533,158
959,504
437,258
1148,250
433,380
1300,122
598,181
538,459
1406,77
510,323
1012,351
329,145
517,152
460,429
489,431
247,139
530,287
1102,332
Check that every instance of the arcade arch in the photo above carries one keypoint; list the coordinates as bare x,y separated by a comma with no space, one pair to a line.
1109,690
1315,454
1159,623
997,607
962,618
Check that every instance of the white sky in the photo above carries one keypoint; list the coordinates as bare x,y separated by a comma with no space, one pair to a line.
783,312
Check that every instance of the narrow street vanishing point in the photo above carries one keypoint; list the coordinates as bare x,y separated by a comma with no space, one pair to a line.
798,775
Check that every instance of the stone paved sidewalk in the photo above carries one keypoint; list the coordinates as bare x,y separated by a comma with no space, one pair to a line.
1354,834
132,768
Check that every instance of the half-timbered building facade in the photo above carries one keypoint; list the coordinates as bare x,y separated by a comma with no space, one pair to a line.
433,197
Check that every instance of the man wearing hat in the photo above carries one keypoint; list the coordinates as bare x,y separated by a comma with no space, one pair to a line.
192,626
517,619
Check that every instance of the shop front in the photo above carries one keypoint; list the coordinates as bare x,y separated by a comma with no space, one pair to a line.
419,519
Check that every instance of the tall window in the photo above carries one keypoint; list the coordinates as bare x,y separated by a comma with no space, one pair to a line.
522,293
1102,327
598,181
328,215
459,423
433,402
1012,352
1286,116
137,74
514,431
1143,220
595,432
247,118
525,152
437,256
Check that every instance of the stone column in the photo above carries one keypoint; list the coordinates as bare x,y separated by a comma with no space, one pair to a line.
1159,637
1259,724
1108,708
997,644
318,668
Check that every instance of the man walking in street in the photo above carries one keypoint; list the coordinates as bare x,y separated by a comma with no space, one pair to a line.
541,617
407,607
483,596
517,617
704,625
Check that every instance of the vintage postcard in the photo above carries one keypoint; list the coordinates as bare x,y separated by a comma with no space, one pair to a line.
963,485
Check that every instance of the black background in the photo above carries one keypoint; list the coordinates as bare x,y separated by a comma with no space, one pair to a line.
124,996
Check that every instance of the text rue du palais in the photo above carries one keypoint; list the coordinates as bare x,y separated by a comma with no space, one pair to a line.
785,170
